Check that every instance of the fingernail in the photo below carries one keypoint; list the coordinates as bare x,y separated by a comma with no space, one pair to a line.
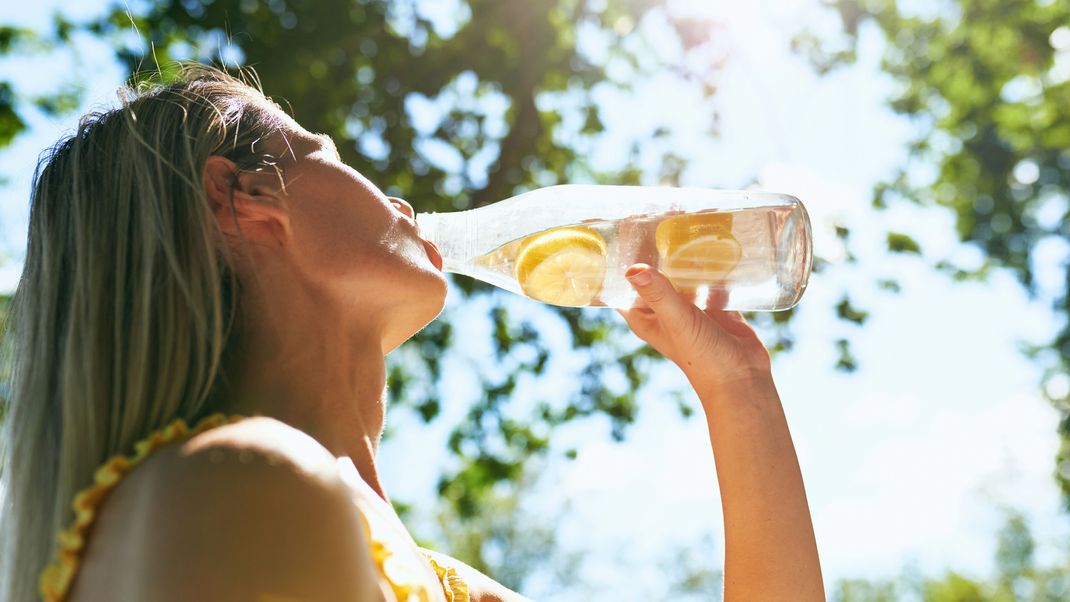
638,276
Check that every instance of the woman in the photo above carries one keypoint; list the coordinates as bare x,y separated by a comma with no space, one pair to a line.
198,259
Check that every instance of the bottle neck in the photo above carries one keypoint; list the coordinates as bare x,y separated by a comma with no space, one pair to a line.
452,233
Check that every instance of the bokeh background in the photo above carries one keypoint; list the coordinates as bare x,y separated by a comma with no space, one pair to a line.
924,374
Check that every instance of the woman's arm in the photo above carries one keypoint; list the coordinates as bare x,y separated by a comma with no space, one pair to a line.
770,550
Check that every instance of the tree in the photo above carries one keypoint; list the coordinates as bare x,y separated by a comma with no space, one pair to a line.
987,83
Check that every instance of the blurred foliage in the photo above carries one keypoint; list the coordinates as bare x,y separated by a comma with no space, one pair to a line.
524,550
510,542
22,43
10,122
690,573
12,41
987,86
1018,577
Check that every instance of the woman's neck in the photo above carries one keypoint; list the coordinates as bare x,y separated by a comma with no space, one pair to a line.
311,373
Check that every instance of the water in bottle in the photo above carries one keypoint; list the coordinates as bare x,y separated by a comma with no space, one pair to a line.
570,245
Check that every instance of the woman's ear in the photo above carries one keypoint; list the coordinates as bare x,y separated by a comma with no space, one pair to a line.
248,205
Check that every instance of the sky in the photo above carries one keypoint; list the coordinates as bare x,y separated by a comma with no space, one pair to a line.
911,461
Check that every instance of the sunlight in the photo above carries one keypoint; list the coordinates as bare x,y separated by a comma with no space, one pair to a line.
756,23
740,16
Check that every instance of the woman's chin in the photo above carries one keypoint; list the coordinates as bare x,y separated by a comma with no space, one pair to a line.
439,295
422,309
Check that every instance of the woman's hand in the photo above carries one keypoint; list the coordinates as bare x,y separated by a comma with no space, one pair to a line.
713,347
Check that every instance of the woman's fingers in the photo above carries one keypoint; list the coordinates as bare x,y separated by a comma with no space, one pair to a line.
708,345
659,295
716,301
717,298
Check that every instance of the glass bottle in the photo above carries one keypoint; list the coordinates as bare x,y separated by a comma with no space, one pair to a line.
570,245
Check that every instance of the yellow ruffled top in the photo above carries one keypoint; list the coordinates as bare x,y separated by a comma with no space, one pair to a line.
56,579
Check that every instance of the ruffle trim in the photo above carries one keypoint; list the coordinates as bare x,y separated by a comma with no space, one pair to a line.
55,580
453,586
402,580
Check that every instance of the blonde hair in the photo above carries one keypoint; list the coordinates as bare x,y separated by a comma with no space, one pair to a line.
125,311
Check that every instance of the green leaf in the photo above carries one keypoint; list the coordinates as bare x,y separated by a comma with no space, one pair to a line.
59,103
13,37
890,284
429,409
846,361
848,312
901,243
10,122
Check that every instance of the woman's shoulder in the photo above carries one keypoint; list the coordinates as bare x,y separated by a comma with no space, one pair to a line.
256,452
249,442
252,506
253,466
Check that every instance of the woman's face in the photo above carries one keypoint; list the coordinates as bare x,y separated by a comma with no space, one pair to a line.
358,247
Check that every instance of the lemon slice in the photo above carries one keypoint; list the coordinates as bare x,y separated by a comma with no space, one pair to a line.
563,266
704,260
675,232
697,249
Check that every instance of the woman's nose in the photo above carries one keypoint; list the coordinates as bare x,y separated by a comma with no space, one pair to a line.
404,206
